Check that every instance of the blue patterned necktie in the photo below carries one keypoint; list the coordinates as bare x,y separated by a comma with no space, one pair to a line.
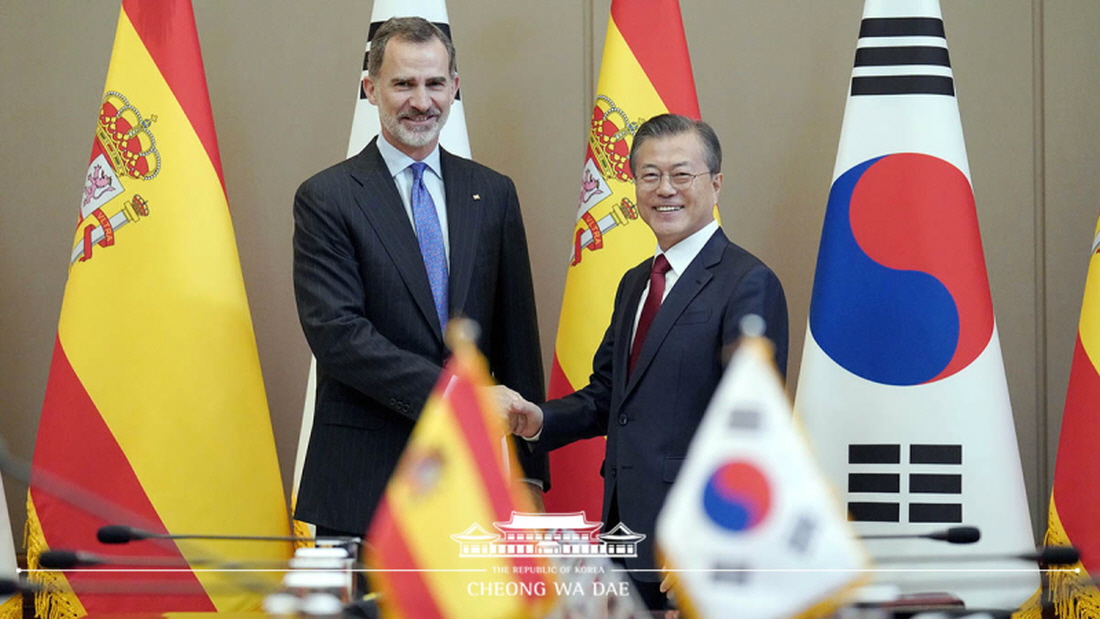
430,236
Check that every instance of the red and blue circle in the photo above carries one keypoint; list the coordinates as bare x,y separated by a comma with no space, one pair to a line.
737,496
901,294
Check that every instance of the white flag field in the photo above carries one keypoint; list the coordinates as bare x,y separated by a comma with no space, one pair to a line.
902,387
751,526
364,126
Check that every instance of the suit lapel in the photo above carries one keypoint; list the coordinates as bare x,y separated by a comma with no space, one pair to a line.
464,215
694,279
384,210
624,337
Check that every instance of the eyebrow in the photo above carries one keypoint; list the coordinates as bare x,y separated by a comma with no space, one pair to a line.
675,165
411,78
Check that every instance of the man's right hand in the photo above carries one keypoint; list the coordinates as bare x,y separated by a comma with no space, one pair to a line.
524,418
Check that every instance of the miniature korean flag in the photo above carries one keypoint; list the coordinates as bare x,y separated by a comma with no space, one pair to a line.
751,526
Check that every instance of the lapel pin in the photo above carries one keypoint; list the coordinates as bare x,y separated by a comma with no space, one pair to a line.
477,196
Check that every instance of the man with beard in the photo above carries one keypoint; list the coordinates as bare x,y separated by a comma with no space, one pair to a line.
387,246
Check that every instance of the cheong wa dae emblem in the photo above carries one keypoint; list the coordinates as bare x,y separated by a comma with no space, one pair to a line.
124,155
541,535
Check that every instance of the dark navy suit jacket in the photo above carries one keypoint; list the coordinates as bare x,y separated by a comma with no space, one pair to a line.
649,416
366,308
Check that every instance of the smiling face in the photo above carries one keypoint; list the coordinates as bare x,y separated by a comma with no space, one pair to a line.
413,90
673,213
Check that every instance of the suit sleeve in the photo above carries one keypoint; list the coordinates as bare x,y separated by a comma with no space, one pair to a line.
584,413
330,295
515,358
760,292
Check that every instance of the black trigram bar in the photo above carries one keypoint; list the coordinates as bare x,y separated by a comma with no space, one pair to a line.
745,419
936,512
730,573
935,484
903,85
802,534
874,454
873,512
935,454
901,27
874,482
888,56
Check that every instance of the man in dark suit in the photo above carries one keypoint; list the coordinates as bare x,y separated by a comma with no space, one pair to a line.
387,246
661,359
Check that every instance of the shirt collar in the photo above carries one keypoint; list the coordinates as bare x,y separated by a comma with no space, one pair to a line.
680,255
397,161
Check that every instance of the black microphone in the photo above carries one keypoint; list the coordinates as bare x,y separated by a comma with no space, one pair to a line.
1049,555
71,559
957,535
953,535
11,586
1057,555
121,534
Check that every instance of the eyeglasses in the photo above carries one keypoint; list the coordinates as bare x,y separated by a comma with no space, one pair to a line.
680,180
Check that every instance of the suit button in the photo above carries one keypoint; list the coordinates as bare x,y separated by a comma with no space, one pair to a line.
623,420
393,401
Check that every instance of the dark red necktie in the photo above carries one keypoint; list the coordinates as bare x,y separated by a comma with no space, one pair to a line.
652,304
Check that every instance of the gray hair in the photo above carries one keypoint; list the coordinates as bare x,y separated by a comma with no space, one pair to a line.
410,30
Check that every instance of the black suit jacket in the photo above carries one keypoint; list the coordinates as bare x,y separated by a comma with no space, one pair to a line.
649,416
366,308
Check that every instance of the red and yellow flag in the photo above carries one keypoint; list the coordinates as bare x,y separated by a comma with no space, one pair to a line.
646,71
431,538
1074,504
155,414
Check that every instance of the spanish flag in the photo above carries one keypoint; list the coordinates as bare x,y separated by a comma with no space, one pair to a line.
1074,505
646,71
155,414
431,551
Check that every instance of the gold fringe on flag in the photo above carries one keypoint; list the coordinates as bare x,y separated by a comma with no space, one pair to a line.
1068,591
1071,593
1032,608
57,601
299,529
12,608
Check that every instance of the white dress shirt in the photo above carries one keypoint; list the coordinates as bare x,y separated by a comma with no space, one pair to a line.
398,164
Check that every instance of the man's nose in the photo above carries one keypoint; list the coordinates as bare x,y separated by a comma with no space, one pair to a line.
664,186
420,99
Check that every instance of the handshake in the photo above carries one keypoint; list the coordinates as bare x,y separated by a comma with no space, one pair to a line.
523,418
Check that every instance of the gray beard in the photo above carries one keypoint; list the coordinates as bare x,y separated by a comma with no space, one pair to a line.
411,137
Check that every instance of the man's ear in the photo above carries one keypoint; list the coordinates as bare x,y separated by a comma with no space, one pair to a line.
368,89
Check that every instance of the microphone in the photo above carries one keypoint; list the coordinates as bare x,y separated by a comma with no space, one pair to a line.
11,586
1057,555
107,509
121,534
953,535
1048,555
70,559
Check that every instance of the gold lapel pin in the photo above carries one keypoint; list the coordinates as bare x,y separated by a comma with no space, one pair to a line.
477,196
